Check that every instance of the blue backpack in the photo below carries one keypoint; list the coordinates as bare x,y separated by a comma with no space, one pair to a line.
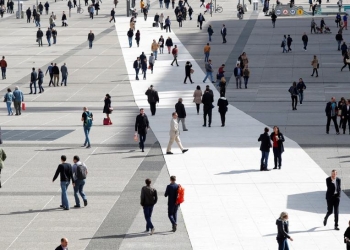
88,120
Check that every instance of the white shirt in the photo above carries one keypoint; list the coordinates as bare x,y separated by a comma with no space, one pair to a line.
335,185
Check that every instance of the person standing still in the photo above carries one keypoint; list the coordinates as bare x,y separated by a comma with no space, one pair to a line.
273,18
207,101
222,104
148,199
223,33
65,171
206,52
181,113
174,135
333,198
200,20
64,72
152,98
175,52
305,40
277,139
265,149
80,172
293,90
87,119
315,65
171,192
18,99
3,157
210,32
331,113
282,231
3,66
39,37
238,75
141,128
301,87
91,38
339,39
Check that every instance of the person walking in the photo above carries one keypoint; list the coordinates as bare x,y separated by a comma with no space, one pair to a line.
277,139
149,198
301,87
137,66
206,52
174,135
345,115
56,75
161,21
112,15
222,86
152,98
283,44
49,69
37,20
137,38
87,119
91,38
154,48
130,34
161,44
3,157
141,128
169,44
347,237
293,90
64,19
8,98
223,33
222,104
40,80
167,24
282,231
331,113
197,98
47,6
346,61
175,52
265,149
66,175
289,42
33,79
172,192
18,99
151,61
345,20
200,20
313,25
315,65
39,37
207,100
339,39
181,113
54,35
188,72
48,36
273,18
340,106
238,75
305,40
144,68
64,72
210,32
91,11
209,71
322,24
29,14
246,74
344,49
3,66
190,12
107,108
80,172
333,198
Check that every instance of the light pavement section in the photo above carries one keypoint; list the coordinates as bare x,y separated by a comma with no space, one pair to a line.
229,203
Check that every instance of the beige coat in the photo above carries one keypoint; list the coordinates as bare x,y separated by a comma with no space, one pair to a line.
314,63
2,158
132,25
174,128
197,96
154,46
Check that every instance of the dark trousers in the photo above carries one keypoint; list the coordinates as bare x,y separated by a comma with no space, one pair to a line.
333,203
224,38
172,213
147,211
344,121
175,60
112,18
314,71
283,244
207,111
51,76
289,49
313,29
223,118
273,23
188,76
137,73
152,106
142,140
200,25
31,84
197,107
18,107
294,101
277,156
28,19
167,28
334,119
346,64
305,45
41,89
3,73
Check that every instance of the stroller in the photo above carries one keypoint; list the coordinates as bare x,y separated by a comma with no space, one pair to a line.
327,30
318,29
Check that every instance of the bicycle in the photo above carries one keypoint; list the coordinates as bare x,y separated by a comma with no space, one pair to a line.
218,9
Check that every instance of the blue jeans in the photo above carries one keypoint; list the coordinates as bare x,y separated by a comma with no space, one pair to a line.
87,139
339,42
31,84
130,41
284,49
167,5
79,185
155,53
206,56
301,97
283,244
147,211
64,197
64,80
172,213
142,141
49,40
209,38
264,158
9,109
210,75
90,44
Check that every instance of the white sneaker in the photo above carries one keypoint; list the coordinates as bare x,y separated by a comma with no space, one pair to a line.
152,231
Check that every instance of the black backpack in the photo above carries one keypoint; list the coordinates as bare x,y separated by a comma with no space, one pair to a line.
81,172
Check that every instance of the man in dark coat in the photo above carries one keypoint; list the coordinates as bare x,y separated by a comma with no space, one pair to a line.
64,244
181,113
207,100
39,37
29,14
141,127
331,113
223,33
265,149
289,42
153,99
91,38
33,78
333,198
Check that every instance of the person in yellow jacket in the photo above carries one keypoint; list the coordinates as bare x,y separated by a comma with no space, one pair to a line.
154,48
2,159
142,5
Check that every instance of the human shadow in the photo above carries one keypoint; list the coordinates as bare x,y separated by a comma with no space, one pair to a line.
339,157
115,152
311,230
141,156
33,211
239,171
53,149
131,235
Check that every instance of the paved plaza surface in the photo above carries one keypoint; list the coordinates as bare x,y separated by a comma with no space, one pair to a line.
229,204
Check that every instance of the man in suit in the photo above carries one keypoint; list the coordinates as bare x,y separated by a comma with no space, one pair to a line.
223,33
331,113
207,100
333,197
153,98
346,115
141,127
181,112
265,149
171,192
174,135
137,66
64,244
238,74
33,78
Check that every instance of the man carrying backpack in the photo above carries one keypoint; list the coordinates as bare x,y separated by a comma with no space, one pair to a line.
149,198
79,175
87,119
172,192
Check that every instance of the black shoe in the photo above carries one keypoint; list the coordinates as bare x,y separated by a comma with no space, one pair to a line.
85,203
209,125
267,170
327,132
77,206
174,228
88,146
324,222
184,151
275,168
336,228
65,208
337,133
61,206
204,125
169,153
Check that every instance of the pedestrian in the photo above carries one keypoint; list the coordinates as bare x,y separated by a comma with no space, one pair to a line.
54,35
265,149
3,66
331,113
37,20
246,74
283,44
47,5
152,98
130,34
66,175
149,198
277,139
48,36
206,52
172,193
17,98
181,113
179,19
29,14
51,22
97,7
64,244
132,23
79,175
39,37
202,1
223,33
137,66
345,20
238,75
169,44
173,3
209,71
301,87
190,12
137,38
207,100
142,5
273,18
145,13
313,25
293,90
87,119
64,19
41,8
112,15
243,60
151,62
91,11
305,40
197,98
107,109
345,114
160,3
315,66
175,52
221,72
2,159
282,231
8,98
341,105
322,24
144,68
337,19
347,237
74,3
174,135
64,72
344,49
200,20
339,39
33,78
346,61
222,86
161,45
56,75
70,5
188,72
40,80
314,9
207,8
91,38
333,198
142,58
156,20
141,128
161,20
222,104
49,69
34,15
154,48
210,32
167,24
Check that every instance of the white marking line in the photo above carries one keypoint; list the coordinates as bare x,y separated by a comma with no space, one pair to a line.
55,119
90,155
39,95
112,89
30,222
112,136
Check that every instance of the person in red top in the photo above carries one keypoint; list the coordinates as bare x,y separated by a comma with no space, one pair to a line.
221,72
277,139
3,66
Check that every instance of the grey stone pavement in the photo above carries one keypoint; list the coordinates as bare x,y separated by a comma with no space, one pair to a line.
50,127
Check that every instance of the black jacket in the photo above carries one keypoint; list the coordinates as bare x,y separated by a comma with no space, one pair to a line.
33,76
301,86
152,96
65,172
339,37
39,34
64,17
279,142
169,42
222,104
48,33
180,110
141,124
156,18
188,69
28,12
207,99
293,91
304,38
91,36
55,70
282,229
347,234
331,188
289,40
171,192
149,196
328,109
346,114
265,142
137,64
142,57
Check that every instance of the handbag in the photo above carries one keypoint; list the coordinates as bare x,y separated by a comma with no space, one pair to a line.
347,60
136,138
339,112
192,71
110,109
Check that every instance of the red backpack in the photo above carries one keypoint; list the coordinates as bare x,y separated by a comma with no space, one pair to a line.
180,195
